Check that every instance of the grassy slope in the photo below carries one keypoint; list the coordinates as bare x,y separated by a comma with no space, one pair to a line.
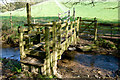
45,9
99,11
50,9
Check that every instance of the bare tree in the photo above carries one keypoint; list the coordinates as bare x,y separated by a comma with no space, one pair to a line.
9,8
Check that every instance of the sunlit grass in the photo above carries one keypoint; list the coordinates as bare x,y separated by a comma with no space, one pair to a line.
51,9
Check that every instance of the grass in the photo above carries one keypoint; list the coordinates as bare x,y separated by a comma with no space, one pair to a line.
99,11
48,11
51,9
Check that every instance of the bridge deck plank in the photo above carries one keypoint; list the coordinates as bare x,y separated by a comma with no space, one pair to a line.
32,61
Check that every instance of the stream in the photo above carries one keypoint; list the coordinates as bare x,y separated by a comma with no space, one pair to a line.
12,53
107,62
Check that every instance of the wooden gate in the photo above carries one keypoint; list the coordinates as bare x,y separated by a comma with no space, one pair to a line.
88,27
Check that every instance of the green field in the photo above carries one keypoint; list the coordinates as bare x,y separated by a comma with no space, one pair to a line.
49,11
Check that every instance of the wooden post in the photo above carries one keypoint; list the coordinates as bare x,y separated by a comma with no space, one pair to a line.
74,13
21,44
34,21
111,31
66,36
54,63
71,27
11,20
59,40
78,24
28,15
43,68
95,29
74,35
69,15
59,16
48,71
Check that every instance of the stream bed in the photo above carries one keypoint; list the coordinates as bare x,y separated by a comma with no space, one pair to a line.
80,63
12,53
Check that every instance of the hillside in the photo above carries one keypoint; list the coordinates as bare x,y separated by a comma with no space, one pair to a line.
103,11
47,8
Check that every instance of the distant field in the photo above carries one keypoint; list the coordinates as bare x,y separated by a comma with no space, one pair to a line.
49,9
100,11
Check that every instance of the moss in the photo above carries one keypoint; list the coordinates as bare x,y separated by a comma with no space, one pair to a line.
105,44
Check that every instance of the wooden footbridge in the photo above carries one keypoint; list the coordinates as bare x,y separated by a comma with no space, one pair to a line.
41,45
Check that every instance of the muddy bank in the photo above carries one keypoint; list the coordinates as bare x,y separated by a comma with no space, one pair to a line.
97,63
81,65
10,38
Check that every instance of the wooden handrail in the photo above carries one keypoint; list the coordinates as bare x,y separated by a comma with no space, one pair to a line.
40,24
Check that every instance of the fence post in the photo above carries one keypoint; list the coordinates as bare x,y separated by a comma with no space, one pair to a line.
95,29
54,54
21,46
11,20
59,16
59,40
74,13
111,31
69,15
48,71
74,35
78,24
66,32
28,15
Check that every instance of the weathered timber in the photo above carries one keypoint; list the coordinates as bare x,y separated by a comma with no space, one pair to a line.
28,15
31,61
47,50
39,25
54,54
95,26
42,44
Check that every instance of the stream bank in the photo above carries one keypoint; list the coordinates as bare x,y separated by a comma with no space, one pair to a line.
75,63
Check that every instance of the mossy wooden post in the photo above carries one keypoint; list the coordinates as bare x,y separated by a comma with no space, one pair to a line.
74,13
28,15
59,40
95,29
59,16
54,63
71,29
69,15
21,46
74,34
66,36
78,24
11,20
47,50
111,31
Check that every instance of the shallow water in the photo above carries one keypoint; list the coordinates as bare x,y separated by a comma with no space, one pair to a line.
11,53
107,62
